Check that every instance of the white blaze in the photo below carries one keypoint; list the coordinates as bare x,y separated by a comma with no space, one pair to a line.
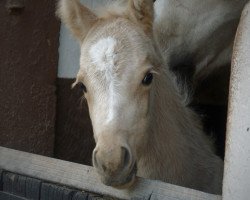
103,56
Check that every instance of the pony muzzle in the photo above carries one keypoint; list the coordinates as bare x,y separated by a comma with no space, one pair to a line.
115,165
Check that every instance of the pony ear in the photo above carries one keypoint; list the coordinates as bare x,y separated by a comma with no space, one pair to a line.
142,12
76,17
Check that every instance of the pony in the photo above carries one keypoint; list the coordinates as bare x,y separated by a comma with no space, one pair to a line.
141,123
196,37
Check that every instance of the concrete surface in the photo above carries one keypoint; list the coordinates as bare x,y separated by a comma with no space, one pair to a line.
237,159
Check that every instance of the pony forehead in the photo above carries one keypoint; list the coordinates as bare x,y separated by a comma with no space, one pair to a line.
102,53
113,46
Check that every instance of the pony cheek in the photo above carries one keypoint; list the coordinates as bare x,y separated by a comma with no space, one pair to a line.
140,137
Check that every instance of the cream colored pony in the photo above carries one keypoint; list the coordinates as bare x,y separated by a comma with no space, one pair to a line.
140,121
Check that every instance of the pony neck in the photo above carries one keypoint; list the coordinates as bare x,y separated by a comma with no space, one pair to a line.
175,136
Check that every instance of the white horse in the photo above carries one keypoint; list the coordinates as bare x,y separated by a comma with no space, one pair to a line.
140,121
197,33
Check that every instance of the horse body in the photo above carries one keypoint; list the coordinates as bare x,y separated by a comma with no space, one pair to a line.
198,32
140,121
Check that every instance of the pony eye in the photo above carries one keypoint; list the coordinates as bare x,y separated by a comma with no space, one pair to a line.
148,79
83,87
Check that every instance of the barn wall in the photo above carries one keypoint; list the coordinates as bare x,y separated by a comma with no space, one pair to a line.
28,69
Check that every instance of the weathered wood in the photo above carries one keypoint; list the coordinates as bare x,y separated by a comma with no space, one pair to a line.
80,196
1,180
8,196
8,182
84,178
33,188
53,192
98,197
21,186
237,160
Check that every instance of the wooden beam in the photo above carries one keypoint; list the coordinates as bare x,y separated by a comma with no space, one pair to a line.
21,187
84,178
237,160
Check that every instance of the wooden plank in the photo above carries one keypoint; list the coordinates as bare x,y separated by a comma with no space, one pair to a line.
85,178
14,184
98,197
21,186
53,192
1,179
8,196
8,182
237,160
33,188
80,196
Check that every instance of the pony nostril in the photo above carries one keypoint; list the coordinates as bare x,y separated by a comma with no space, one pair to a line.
121,160
126,157
96,163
